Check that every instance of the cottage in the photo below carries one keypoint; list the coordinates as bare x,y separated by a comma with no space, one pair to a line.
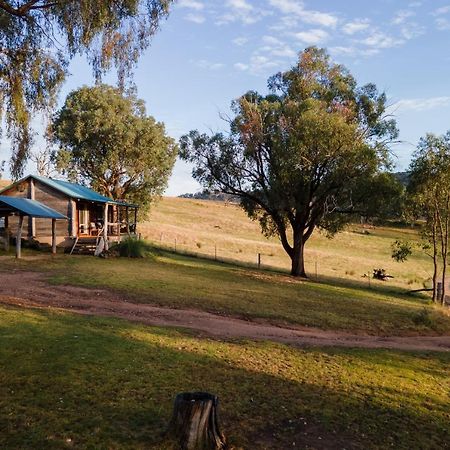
89,214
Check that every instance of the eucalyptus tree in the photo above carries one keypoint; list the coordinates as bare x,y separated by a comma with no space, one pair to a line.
38,38
105,139
293,156
429,195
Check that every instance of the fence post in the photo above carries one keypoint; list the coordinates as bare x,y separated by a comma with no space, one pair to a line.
439,290
259,260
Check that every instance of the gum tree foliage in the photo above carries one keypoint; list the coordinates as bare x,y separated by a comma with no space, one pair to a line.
106,140
380,196
294,155
38,38
429,199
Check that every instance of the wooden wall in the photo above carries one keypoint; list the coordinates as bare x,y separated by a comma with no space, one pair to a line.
49,197
22,191
57,201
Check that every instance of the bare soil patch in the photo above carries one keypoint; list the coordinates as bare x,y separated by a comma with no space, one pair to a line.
30,289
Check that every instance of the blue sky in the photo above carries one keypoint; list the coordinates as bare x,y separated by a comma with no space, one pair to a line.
209,52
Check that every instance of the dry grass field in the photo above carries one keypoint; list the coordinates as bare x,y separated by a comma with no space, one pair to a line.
200,226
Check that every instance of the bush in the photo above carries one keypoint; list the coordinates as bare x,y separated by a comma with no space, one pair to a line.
423,318
133,248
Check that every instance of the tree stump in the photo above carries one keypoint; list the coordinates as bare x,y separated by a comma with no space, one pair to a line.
194,422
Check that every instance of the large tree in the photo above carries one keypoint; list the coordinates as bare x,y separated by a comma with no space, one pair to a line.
106,140
429,199
38,38
294,155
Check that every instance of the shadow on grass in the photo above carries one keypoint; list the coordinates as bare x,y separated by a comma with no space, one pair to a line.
98,383
375,286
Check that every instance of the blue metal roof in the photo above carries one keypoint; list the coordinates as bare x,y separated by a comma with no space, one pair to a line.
76,191
31,208
73,190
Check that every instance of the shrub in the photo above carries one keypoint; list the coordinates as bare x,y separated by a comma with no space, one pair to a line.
423,318
133,248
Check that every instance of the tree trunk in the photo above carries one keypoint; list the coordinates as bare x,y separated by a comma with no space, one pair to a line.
298,256
435,258
194,422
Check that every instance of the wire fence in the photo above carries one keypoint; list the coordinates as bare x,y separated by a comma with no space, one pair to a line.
214,252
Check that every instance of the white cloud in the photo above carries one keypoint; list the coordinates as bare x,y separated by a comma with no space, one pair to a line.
271,40
412,30
356,26
241,5
312,37
342,50
240,41
276,47
442,23
309,16
257,64
381,40
402,16
191,4
204,64
441,11
422,104
241,66
196,18
353,51
240,11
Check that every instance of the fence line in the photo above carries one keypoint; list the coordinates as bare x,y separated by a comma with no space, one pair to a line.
176,247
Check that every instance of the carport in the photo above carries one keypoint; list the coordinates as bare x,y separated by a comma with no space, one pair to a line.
25,207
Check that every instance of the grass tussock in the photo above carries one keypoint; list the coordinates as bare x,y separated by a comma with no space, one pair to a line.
133,248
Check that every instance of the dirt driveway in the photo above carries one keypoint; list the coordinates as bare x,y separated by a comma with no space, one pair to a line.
29,289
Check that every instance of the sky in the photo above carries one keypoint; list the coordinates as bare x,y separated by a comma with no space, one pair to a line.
209,52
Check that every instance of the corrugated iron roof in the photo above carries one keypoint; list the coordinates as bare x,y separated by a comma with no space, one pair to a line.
28,207
76,191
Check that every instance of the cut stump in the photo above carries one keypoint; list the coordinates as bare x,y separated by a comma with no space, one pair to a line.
194,422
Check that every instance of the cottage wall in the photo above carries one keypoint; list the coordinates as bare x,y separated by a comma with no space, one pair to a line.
57,201
21,191
42,227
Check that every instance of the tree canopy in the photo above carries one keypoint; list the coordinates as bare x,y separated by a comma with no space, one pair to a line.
106,140
429,199
292,156
38,38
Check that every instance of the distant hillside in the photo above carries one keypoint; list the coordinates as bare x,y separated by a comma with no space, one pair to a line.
212,196
220,197
403,177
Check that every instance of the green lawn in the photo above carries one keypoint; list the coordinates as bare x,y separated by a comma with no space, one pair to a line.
184,282
83,382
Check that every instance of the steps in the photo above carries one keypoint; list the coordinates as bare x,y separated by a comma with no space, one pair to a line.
84,246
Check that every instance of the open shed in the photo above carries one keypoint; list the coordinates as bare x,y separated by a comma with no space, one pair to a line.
25,207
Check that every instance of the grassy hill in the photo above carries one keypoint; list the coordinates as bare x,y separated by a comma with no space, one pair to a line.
204,227
4,183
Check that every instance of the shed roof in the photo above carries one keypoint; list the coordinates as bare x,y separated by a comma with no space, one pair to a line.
76,191
27,207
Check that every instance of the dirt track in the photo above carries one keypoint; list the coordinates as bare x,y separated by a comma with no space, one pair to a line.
29,289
